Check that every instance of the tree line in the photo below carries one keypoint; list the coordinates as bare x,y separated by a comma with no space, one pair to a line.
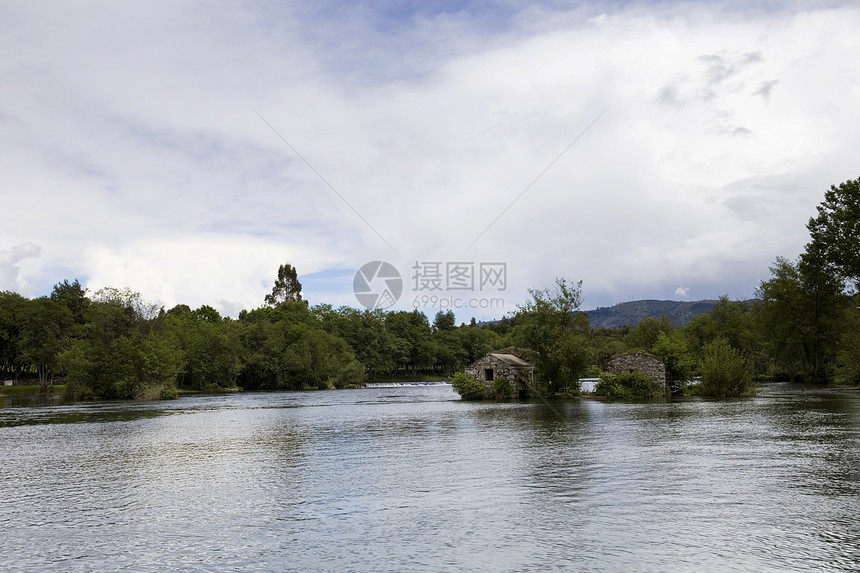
804,325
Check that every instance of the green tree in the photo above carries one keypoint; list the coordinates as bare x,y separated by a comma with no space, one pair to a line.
411,331
725,372
644,336
10,329
123,351
287,347
287,287
551,324
799,317
677,358
74,297
43,335
212,348
444,321
848,358
476,342
835,232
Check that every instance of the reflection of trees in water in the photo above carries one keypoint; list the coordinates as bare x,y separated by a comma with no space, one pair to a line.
818,435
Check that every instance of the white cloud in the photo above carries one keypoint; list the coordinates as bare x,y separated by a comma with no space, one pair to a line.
682,291
10,269
131,150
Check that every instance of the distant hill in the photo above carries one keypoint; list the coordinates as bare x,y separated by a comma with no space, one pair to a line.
630,313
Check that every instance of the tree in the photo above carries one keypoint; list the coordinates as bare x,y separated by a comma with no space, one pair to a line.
10,328
725,372
848,359
799,317
551,324
444,321
835,232
411,332
673,348
73,297
44,328
645,335
287,287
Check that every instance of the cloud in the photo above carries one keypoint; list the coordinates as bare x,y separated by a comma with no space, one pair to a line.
10,270
682,291
765,88
131,150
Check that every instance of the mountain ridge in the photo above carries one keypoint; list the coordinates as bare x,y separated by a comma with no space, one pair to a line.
629,313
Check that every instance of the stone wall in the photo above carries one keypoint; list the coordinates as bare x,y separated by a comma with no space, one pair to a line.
651,366
519,378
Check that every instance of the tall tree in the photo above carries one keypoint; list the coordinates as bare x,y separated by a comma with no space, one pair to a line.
835,231
10,329
444,321
801,307
44,329
287,287
74,297
551,324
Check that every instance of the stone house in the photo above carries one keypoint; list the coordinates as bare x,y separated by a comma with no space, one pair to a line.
651,366
519,373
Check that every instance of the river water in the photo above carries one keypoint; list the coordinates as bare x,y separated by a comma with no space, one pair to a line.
413,479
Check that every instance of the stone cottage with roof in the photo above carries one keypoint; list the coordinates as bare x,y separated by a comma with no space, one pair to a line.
519,373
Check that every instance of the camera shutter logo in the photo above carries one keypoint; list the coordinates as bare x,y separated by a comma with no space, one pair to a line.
377,284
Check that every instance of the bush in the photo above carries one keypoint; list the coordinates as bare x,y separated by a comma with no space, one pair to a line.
502,386
350,376
725,372
467,387
168,393
76,391
628,385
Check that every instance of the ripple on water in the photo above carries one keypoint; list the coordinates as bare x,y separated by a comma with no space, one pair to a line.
413,479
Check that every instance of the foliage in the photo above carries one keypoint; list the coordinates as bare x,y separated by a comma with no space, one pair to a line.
799,318
835,231
645,335
114,344
412,336
724,371
502,387
10,329
44,326
468,388
627,386
676,356
287,287
550,324
444,321
848,359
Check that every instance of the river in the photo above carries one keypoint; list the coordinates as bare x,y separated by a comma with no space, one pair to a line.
413,479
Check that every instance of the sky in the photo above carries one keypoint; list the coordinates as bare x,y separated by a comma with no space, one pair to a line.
652,150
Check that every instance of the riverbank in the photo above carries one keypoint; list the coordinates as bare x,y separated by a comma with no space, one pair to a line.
30,390
409,378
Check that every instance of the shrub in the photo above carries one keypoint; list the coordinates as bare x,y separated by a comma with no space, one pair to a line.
75,391
628,385
467,387
502,386
350,376
168,393
725,372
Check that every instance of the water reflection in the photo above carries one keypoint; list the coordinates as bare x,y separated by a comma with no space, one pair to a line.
413,479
